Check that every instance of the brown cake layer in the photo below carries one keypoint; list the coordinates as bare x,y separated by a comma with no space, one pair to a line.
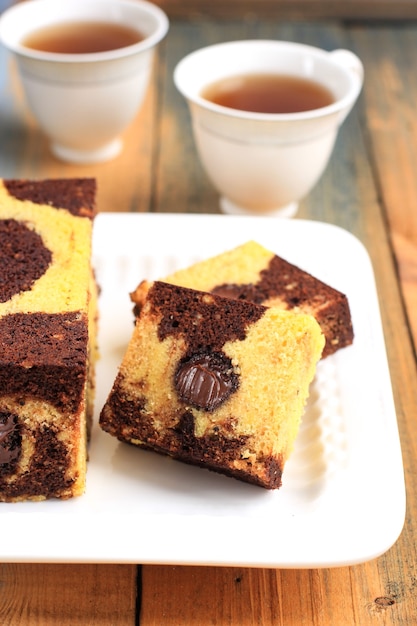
176,309
44,356
23,258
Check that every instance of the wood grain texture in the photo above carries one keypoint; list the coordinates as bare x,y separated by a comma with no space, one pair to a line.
292,9
284,9
390,101
370,189
48,595
250,597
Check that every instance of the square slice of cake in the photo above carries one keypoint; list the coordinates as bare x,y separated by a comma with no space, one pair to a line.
47,336
251,272
215,382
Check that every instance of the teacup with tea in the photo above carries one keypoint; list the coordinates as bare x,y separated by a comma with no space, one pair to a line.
85,66
265,116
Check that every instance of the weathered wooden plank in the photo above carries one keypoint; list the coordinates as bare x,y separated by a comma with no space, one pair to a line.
292,9
47,595
390,97
285,9
250,597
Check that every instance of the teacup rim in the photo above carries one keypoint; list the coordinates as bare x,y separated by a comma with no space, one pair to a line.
54,57
335,107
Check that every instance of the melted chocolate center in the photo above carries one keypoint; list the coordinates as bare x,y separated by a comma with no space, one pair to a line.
9,438
205,381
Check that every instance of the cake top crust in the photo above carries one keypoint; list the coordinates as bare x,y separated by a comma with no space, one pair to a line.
75,195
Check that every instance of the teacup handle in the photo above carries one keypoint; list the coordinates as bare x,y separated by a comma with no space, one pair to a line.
349,60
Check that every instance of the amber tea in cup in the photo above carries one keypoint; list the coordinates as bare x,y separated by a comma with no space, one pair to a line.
82,37
263,161
85,67
268,93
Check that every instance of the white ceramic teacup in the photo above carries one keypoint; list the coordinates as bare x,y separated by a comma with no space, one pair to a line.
84,102
266,163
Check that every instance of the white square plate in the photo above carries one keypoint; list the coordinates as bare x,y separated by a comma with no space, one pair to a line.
139,507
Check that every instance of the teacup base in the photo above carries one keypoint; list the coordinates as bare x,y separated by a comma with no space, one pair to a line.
105,153
230,208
